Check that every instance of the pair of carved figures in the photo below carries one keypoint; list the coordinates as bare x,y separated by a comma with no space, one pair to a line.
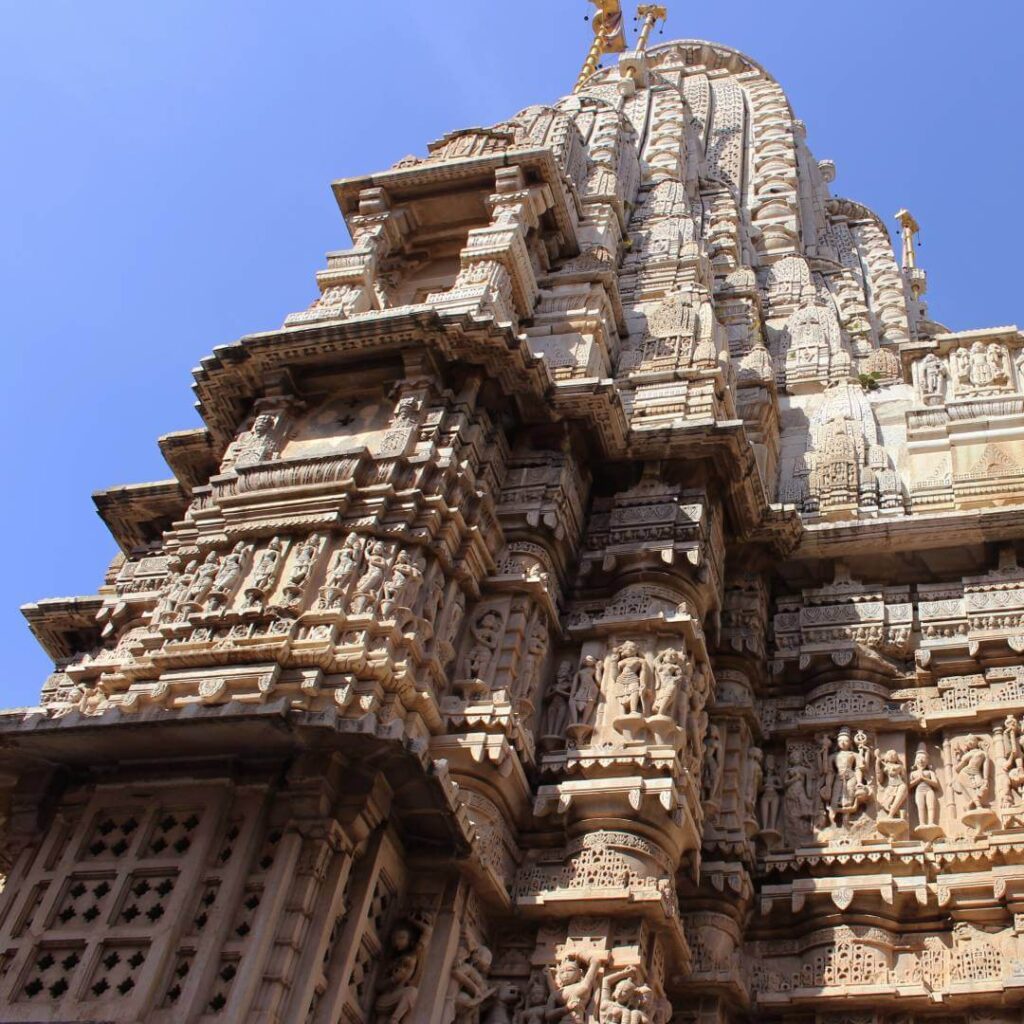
567,996
573,698
640,686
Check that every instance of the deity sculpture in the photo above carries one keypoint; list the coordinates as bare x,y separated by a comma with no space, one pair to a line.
891,793
972,772
932,375
486,630
972,775
585,689
368,589
672,671
925,784
846,778
753,780
302,566
771,790
798,801
265,574
173,594
403,585
711,775
631,681
399,984
253,445
556,714
202,581
526,681
229,572
342,570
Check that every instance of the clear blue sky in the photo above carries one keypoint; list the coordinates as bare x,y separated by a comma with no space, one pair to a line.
165,176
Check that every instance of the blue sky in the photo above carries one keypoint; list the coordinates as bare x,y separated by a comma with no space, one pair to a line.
165,177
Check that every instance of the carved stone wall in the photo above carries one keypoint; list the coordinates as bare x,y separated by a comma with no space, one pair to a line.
602,605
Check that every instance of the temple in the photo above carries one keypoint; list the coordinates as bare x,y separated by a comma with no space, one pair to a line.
602,605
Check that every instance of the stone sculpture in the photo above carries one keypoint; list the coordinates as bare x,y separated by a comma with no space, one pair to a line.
604,604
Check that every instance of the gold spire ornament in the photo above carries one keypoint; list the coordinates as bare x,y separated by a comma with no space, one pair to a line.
651,15
908,229
609,37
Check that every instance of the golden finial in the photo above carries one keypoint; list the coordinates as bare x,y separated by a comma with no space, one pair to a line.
609,37
651,15
908,229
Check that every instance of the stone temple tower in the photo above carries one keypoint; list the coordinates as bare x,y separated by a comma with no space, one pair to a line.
601,606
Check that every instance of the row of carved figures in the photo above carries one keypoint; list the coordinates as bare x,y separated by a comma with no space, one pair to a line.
974,370
816,792
363,576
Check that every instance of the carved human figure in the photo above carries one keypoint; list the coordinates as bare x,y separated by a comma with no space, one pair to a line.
631,683
932,377
574,985
847,777
620,997
972,773
962,362
925,784
981,370
770,795
714,762
265,574
399,982
753,779
798,801
696,721
303,563
342,570
469,975
486,630
433,599
254,444
998,363
1010,765
402,586
892,788
228,574
452,622
368,589
556,714
585,688
174,593
538,993
526,680
672,670
202,580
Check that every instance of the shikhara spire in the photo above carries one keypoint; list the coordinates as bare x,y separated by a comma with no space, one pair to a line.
601,605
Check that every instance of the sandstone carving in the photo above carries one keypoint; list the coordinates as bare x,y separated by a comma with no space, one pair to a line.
603,605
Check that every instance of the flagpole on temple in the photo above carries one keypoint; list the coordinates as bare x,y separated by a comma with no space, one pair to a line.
609,37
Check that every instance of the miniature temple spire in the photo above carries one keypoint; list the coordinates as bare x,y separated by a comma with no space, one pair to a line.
908,230
609,37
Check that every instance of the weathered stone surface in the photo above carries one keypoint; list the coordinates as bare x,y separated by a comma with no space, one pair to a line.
602,605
